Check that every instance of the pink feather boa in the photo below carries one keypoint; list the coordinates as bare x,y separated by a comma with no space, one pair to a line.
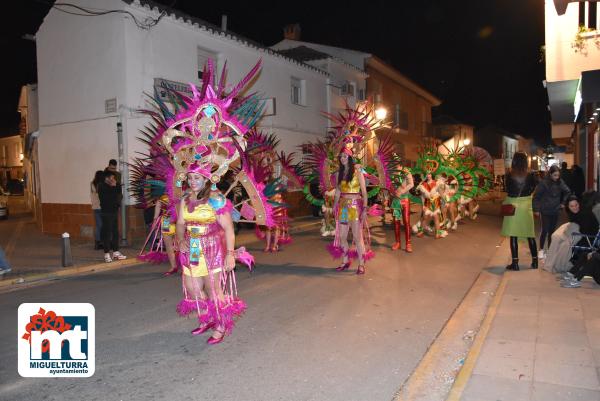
243,256
154,257
337,252
187,306
375,210
227,208
223,315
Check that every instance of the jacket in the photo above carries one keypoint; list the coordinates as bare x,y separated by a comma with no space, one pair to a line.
110,198
517,188
549,195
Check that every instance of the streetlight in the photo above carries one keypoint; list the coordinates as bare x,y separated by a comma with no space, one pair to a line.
381,113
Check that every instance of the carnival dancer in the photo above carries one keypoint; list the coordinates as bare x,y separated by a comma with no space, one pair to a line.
333,163
206,242
328,222
163,217
350,207
451,205
203,139
432,203
401,207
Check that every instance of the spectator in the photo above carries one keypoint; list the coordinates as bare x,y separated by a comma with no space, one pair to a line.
548,200
109,193
565,175
580,221
4,266
112,166
589,265
520,184
95,200
577,181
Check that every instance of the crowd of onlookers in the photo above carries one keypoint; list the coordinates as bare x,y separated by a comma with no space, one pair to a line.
571,249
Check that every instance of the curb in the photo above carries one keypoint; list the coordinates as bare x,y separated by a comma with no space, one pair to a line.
68,272
467,370
454,346
17,283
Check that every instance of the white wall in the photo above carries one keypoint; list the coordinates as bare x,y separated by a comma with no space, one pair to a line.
80,63
83,61
169,51
562,62
70,154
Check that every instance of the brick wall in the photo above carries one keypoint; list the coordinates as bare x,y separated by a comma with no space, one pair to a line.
78,220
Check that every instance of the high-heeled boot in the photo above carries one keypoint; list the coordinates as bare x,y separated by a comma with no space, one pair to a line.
396,245
533,250
514,265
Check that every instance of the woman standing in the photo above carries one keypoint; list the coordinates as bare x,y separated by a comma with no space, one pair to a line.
350,206
520,184
548,202
206,241
95,200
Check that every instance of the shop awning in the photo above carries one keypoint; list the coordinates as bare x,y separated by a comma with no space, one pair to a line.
561,95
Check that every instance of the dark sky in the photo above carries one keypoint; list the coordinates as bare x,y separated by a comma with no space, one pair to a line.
481,57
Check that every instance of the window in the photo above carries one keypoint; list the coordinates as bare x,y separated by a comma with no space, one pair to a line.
588,14
297,91
400,118
203,56
361,94
347,89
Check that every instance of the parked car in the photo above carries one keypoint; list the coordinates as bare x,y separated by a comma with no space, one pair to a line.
3,204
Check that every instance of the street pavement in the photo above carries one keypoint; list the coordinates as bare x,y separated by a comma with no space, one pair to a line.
310,333
542,343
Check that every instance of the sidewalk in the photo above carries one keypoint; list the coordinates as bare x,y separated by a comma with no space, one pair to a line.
538,342
35,256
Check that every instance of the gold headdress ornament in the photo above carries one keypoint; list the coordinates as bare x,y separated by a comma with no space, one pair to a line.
207,136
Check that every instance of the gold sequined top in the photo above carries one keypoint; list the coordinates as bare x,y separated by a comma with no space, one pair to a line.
352,187
203,213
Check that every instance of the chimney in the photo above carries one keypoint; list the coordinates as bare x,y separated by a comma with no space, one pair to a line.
292,32
223,22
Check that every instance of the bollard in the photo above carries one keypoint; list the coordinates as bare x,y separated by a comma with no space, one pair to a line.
67,259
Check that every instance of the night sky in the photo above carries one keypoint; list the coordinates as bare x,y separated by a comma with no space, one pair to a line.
481,57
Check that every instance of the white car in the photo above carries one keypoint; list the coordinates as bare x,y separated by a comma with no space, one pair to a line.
3,204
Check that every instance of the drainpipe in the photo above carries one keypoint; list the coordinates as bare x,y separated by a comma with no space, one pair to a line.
122,143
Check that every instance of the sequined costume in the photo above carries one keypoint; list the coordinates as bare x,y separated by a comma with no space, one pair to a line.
162,227
350,207
401,209
199,137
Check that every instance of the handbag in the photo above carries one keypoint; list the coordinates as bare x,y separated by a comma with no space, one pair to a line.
509,209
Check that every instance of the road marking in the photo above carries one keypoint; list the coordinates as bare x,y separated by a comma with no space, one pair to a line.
467,370
10,247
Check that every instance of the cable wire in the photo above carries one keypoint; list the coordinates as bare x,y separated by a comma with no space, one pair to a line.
84,12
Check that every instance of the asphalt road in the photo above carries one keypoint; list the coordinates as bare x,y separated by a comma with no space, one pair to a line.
310,333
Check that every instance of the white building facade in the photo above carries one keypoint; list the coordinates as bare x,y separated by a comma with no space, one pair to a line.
572,55
93,73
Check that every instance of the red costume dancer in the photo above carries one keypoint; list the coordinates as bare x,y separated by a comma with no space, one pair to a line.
403,182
